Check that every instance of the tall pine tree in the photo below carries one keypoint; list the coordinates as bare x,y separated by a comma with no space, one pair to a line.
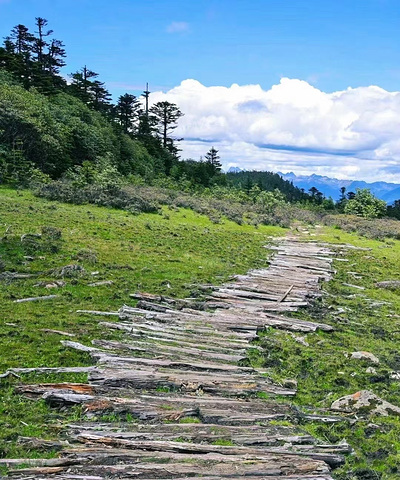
20,44
166,116
128,111
212,160
40,43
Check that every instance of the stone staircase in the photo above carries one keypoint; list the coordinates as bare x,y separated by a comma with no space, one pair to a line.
176,399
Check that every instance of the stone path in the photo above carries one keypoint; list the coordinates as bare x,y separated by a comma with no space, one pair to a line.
175,398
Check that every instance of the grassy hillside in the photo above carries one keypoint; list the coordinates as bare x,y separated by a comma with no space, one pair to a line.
365,319
165,253
170,253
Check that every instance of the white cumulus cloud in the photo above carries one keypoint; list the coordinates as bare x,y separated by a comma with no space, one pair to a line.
293,126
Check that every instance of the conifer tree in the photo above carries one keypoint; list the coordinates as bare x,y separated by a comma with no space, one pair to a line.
248,185
100,97
49,58
55,57
166,116
39,42
129,111
20,45
91,91
212,159
21,40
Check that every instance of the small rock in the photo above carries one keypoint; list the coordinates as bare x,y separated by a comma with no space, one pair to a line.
72,271
395,375
58,284
290,383
371,429
301,340
365,356
373,426
371,370
390,284
30,236
378,304
365,401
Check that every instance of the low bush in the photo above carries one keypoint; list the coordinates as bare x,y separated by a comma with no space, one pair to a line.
138,198
114,197
377,229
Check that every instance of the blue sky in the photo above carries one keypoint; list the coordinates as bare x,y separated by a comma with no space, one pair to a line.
330,45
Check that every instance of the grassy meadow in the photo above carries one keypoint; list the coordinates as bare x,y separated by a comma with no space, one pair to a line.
365,319
169,253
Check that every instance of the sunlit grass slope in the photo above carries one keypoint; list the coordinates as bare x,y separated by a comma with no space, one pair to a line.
166,253
365,319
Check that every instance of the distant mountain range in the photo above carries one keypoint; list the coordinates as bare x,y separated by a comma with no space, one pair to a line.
330,187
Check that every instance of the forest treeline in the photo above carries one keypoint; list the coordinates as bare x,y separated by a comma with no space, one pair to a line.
54,127
54,124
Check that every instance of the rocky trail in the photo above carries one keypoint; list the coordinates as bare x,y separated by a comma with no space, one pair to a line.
177,398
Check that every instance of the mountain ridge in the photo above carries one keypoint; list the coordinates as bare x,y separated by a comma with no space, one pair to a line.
330,187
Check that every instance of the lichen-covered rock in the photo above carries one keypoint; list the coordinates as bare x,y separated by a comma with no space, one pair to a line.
395,375
290,383
367,356
365,401
389,284
70,271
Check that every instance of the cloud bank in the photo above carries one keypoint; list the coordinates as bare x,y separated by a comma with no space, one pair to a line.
293,126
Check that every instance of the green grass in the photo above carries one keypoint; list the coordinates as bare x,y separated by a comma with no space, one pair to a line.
223,442
164,254
189,420
324,370
170,254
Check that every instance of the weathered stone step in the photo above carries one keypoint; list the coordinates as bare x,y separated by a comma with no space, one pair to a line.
261,440
159,408
200,382
252,321
148,333
271,435
135,463
173,351
333,459
180,329
142,363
